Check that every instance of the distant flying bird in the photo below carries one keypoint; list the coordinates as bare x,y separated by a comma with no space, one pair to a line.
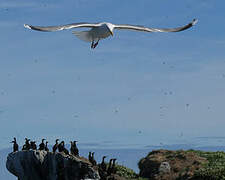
103,30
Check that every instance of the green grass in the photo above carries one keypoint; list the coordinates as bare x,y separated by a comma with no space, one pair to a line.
214,169
125,172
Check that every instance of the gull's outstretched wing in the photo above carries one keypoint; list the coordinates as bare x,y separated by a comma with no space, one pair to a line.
62,27
142,28
84,35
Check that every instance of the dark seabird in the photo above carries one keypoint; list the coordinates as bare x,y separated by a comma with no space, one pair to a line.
73,149
61,146
27,143
103,165
15,145
114,166
42,145
55,147
94,163
26,146
89,157
109,170
76,148
102,169
46,146
65,150
33,145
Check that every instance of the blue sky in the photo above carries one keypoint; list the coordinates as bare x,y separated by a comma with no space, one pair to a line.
134,89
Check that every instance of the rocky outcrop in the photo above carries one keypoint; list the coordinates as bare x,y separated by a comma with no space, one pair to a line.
170,165
42,165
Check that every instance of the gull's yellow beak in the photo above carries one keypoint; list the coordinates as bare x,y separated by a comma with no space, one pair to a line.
111,33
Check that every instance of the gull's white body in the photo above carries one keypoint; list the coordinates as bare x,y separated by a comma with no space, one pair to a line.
103,30
96,33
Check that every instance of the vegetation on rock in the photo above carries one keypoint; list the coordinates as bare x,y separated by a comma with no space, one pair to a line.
127,173
191,164
214,169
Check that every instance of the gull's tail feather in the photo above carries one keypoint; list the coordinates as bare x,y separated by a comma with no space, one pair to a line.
83,35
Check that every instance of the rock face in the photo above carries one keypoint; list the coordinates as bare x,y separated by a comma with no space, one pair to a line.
170,165
42,165
164,167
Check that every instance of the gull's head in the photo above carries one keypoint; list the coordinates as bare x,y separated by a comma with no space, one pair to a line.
110,27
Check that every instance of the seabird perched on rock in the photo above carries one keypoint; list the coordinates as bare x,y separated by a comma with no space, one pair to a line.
102,169
33,145
109,169
15,145
114,166
26,146
89,157
73,149
94,163
42,145
65,150
55,147
99,31
46,146
61,148
76,148
103,165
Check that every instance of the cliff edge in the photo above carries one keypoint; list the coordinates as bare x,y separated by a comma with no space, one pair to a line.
42,165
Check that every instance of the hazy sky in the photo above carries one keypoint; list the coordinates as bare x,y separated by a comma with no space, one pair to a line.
134,89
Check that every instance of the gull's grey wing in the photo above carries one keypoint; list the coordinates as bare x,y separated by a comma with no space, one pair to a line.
62,27
142,28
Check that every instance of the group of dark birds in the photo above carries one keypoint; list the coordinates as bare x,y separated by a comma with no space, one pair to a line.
104,169
31,145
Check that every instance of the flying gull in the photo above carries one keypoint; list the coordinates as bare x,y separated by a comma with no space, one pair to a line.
103,30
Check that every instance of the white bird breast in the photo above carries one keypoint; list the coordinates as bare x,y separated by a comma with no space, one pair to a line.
94,34
100,32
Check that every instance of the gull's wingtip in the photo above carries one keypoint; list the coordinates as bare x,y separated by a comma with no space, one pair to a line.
27,26
194,22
